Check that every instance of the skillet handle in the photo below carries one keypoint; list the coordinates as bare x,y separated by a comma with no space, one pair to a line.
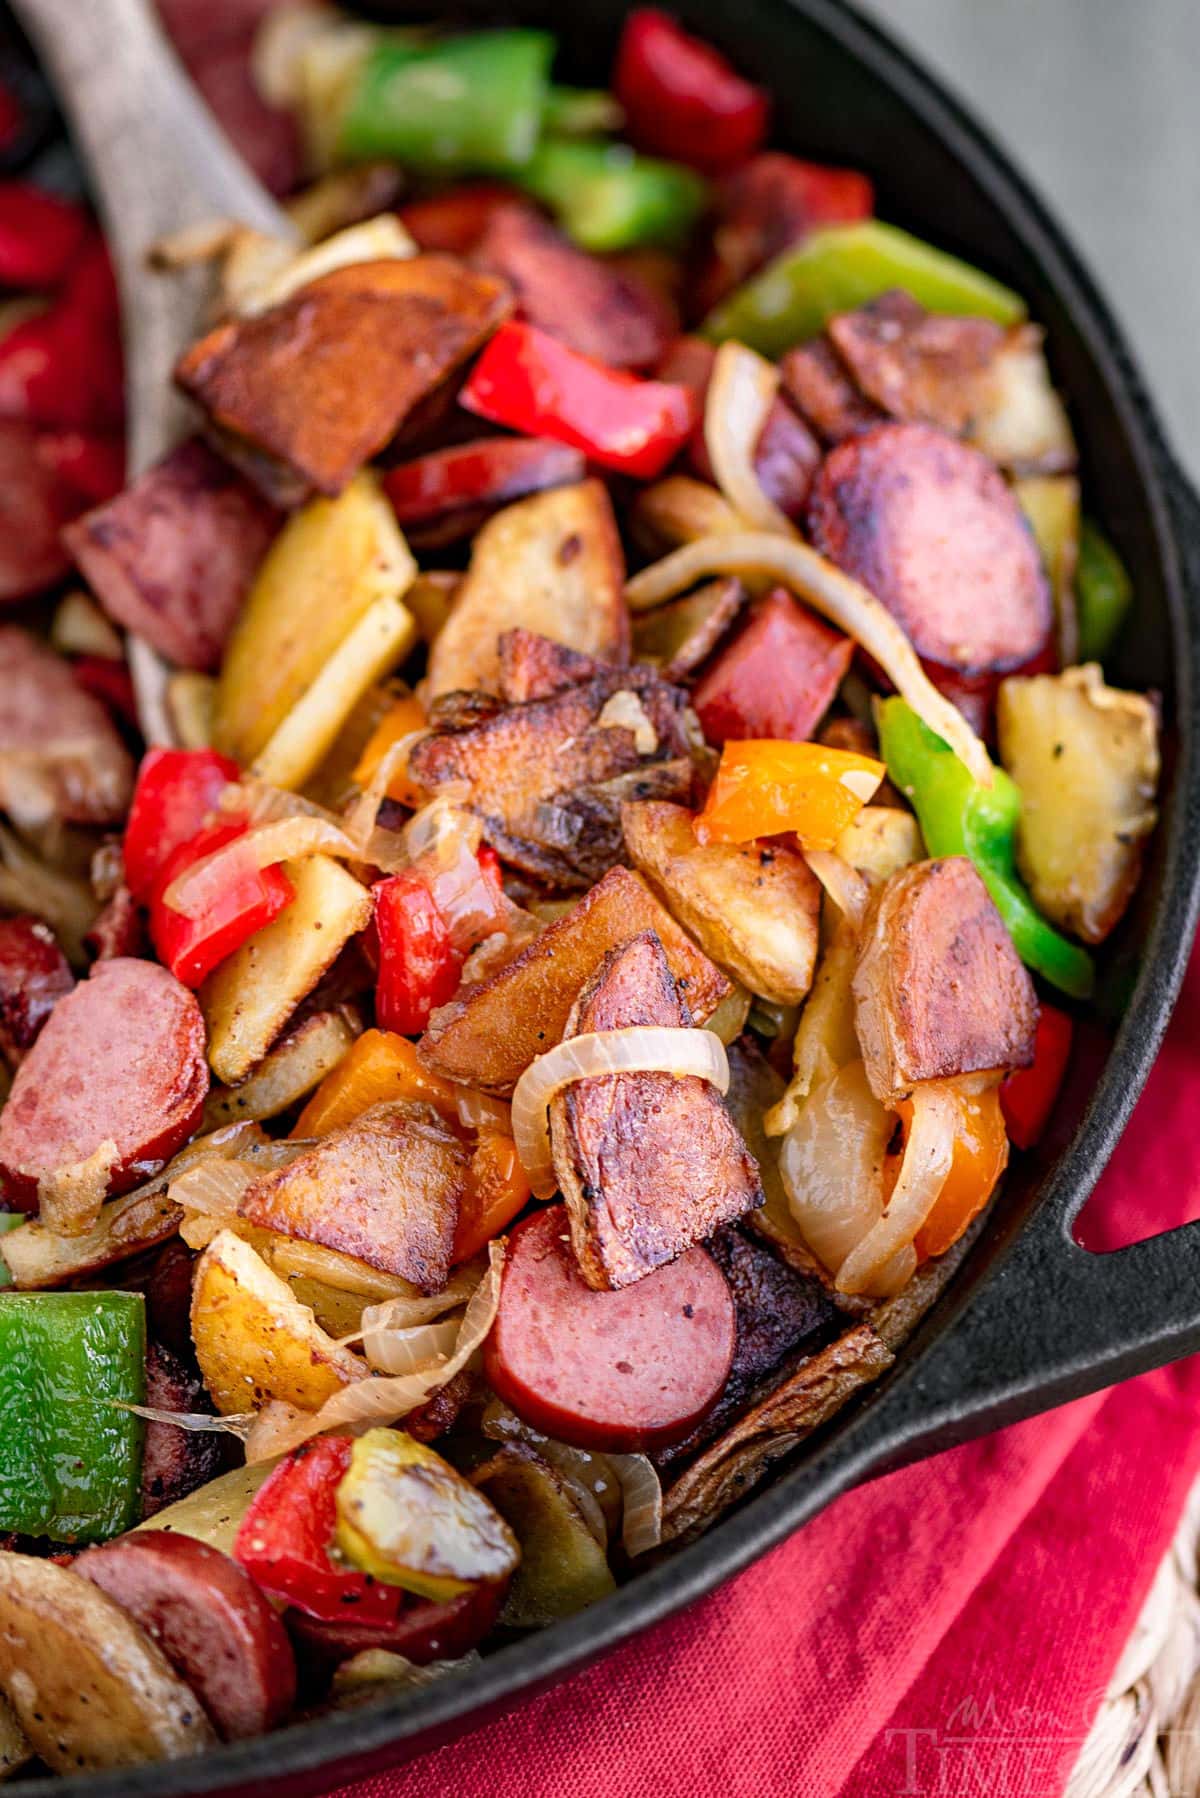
1055,1321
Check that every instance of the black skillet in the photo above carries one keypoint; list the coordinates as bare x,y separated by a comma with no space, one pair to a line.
1031,1320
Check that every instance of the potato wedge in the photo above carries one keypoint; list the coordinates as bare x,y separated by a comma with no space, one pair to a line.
880,841
38,1257
254,1342
213,1512
299,1062
1051,504
677,637
752,907
15,1746
323,573
563,1568
89,1689
551,564
1019,419
491,1032
248,999
1085,757
379,641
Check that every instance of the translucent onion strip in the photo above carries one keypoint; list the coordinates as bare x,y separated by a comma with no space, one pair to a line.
844,884
195,1422
641,1489
382,1398
740,396
845,602
642,1049
422,1308
287,840
408,1351
928,1153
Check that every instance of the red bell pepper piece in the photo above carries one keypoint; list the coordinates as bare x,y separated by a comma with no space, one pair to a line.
63,368
419,966
1027,1097
778,677
177,791
453,223
93,466
285,1539
487,472
531,382
765,207
682,99
193,947
40,235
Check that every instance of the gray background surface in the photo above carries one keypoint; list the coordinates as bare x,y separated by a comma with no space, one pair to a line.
1098,101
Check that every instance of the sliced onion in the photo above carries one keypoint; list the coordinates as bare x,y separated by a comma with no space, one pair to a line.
641,1488
196,1422
641,1049
363,811
213,1188
381,1398
290,839
842,600
844,884
479,1111
740,396
831,1164
258,802
928,1153
408,1351
421,1308
443,818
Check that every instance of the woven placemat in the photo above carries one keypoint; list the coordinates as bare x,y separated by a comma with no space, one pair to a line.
1145,1742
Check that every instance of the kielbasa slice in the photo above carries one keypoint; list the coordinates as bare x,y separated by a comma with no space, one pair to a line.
624,1370
424,1631
35,504
939,989
33,977
599,310
174,1461
930,527
173,556
786,456
648,1163
914,364
822,392
60,755
209,1619
120,1060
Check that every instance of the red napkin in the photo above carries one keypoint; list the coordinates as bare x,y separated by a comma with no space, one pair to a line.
947,1630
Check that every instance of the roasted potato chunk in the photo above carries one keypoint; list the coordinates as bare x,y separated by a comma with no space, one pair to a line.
248,999
649,1164
880,841
385,1189
678,637
551,564
299,1062
753,907
254,1342
89,1689
321,381
15,1746
1085,756
939,989
490,1033
1051,504
213,1512
325,571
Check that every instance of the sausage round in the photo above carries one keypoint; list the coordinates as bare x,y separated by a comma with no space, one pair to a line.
34,507
210,1621
121,1058
929,526
423,1631
622,1370
33,977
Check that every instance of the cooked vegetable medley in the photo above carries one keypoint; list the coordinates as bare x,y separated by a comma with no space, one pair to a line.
638,828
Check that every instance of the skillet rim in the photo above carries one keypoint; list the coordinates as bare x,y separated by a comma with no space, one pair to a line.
314,1755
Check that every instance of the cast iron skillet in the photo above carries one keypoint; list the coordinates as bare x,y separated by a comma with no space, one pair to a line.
1031,1320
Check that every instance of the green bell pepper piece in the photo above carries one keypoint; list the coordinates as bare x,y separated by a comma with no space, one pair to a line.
960,817
581,112
609,198
71,1459
843,267
474,103
1103,592
9,1220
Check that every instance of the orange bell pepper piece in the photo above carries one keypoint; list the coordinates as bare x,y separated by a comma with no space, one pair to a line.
379,1066
404,717
497,1190
980,1157
766,787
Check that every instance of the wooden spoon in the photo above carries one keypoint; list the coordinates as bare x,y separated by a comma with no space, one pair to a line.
158,162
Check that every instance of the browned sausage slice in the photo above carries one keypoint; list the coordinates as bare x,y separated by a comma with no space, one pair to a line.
121,1059
939,989
621,1370
209,1619
929,526
33,977
60,755
34,506
172,557
817,384
424,1631
917,365
174,1461
599,310
648,1163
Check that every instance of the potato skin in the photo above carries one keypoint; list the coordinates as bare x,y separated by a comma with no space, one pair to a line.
254,1342
754,907
939,989
1085,756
